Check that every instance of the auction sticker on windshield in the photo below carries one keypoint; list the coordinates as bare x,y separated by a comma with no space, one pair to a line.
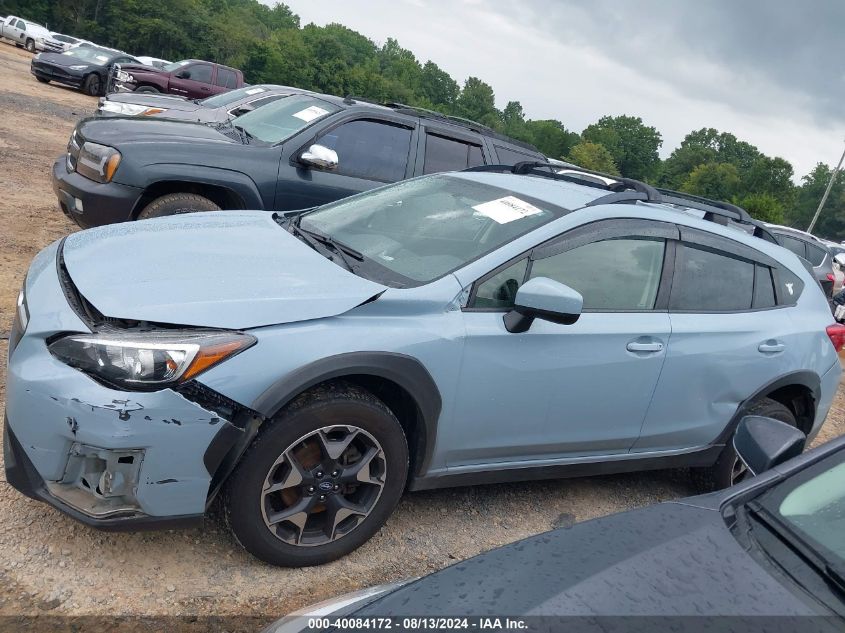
507,209
309,114
254,91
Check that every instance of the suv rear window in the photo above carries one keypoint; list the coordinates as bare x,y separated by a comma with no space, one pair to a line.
815,254
510,156
709,281
448,154
792,243
226,78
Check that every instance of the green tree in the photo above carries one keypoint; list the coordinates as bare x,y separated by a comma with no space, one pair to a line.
477,102
718,181
593,156
438,87
831,222
550,137
763,206
632,144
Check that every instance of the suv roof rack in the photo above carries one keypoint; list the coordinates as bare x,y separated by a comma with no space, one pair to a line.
425,113
628,190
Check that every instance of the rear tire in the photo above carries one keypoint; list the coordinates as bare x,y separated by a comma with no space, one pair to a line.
30,46
92,85
318,526
728,470
147,89
176,203
42,80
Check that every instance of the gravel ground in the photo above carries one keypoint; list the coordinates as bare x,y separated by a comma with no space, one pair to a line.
49,564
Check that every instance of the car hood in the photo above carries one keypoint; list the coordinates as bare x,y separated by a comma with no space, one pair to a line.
231,269
669,559
169,102
121,130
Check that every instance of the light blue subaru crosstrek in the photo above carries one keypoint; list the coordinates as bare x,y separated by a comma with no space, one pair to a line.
493,325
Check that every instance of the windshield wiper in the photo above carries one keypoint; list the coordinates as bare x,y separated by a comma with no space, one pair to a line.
343,251
246,135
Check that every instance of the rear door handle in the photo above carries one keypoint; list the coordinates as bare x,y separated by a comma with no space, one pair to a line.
643,346
771,347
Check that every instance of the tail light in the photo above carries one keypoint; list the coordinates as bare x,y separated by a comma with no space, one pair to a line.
830,277
836,334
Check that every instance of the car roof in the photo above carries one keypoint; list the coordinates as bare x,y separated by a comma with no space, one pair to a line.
777,228
561,193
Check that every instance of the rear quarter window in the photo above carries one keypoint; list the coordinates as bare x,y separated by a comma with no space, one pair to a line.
512,156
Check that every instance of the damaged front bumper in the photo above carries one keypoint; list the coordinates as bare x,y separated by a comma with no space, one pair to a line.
111,459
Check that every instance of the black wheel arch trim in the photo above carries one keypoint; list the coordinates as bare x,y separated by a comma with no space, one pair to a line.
808,379
406,371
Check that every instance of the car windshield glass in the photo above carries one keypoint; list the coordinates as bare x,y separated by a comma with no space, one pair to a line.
422,229
96,56
225,98
280,120
175,65
811,504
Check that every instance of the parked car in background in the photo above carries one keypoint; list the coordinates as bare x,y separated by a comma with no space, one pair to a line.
812,249
66,41
216,109
302,150
495,324
837,251
25,33
155,62
764,555
83,67
190,78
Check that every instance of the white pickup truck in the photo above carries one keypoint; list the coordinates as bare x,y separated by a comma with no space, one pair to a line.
29,35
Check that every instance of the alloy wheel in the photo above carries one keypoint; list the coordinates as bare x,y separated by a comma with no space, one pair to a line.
323,485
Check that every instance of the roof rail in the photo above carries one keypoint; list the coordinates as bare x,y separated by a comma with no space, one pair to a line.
628,190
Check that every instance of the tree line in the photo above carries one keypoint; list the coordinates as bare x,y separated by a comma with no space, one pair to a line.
271,46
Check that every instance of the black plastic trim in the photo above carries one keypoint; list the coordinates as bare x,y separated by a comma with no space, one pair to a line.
404,370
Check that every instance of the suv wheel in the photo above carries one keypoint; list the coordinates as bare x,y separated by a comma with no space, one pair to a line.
729,469
147,89
175,203
320,480
30,46
91,85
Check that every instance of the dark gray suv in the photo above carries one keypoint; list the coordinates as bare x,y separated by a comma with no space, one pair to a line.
303,150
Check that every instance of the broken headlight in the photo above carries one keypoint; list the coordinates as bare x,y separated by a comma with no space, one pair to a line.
97,162
149,360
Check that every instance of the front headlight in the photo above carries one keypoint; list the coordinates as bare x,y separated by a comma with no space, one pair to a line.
129,109
79,67
97,162
148,360
122,75
22,309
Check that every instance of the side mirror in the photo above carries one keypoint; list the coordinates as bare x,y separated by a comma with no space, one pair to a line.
840,259
319,156
543,298
763,443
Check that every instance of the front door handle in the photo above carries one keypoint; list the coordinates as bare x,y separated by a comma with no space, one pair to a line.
771,347
644,346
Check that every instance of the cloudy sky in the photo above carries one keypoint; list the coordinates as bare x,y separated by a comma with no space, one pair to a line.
770,71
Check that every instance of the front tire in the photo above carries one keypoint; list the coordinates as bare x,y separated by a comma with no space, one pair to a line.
42,80
729,469
147,89
320,480
176,203
30,46
92,85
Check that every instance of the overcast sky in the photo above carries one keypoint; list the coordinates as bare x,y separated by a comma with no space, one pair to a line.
770,71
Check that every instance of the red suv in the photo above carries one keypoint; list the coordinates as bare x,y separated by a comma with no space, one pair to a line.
190,78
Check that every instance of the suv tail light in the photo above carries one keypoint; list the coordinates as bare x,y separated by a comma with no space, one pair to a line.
830,277
836,334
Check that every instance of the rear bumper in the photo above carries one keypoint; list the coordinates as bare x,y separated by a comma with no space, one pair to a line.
90,203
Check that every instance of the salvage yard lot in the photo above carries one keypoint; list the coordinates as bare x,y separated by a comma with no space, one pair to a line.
50,564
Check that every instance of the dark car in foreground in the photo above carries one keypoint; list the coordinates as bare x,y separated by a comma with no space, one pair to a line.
300,151
192,78
84,67
767,554
217,109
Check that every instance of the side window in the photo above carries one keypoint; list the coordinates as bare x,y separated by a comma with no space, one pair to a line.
793,244
615,274
447,154
764,289
200,72
709,281
370,149
476,157
510,156
22,25
499,291
815,254
225,78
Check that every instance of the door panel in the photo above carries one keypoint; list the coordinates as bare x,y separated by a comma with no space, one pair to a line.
555,391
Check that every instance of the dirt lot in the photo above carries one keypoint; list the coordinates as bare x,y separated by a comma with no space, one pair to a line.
50,564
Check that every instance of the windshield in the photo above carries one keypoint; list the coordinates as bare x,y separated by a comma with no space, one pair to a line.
422,229
96,56
175,65
225,98
812,505
282,119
